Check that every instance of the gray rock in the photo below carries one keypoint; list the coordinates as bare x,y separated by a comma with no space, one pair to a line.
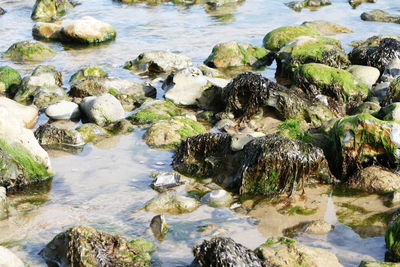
159,227
102,110
63,110
3,205
239,141
172,203
166,180
392,71
380,90
9,259
317,227
380,15
368,75
218,198
2,11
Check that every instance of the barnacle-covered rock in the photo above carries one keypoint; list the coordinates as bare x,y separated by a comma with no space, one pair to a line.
52,137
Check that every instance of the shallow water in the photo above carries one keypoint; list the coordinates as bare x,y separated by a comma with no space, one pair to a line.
106,185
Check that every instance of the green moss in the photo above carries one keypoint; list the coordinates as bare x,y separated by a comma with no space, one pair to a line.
291,128
190,128
142,245
156,112
277,38
8,78
297,210
273,241
354,208
88,72
252,52
345,191
29,51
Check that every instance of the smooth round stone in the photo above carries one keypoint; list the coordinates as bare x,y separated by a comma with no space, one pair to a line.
63,110
217,198
368,75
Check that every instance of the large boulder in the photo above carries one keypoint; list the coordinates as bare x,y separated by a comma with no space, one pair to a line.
50,9
277,38
234,54
375,179
103,109
29,51
223,251
380,15
26,114
156,62
86,246
309,49
9,259
366,74
172,203
53,137
154,110
9,78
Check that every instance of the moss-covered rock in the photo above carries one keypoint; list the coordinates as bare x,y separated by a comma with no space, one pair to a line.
91,132
308,49
277,38
153,111
392,239
362,140
341,85
169,134
88,72
50,9
356,3
86,246
172,203
44,97
311,4
29,51
380,15
53,137
9,78
47,31
235,54
326,27
393,95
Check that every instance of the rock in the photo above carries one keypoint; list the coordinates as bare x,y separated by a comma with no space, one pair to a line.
284,251
318,79
375,180
324,27
393,93
23,160
381,91
88,72
223,251
172,203
317,227
366,74
239,141
190,88
63,110
311,4
102,110
2,11
29,51
378,264
309,49
52,137
165,181
392,70
211,72
9,78
93,133
159,227
50,9
389,113
235,54
86,246
3,207
356,3
44,97
362,140
157,62
9,259
168,134
25,114
48,31
380,15
88,30
217,198
365,107
277,38
153,111
392,241
376,52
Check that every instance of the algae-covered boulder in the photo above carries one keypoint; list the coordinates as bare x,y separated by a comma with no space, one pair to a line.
235,54
326,27
172,203
393,94
360,141
169,133
309,49
154,110
223,251
375,179
380,15
392,239
284,251
273,164
88,72
156,62
44,96
341,85
103,110
92,132
9,78
29,51
53,137
50,9
88,30
376,52
277,38
86,246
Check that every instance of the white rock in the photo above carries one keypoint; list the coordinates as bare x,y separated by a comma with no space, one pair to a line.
88,28
217,198
368,75
103,109
3,204
9,259
26,114
63,110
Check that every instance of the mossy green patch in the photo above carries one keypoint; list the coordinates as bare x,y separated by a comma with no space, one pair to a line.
8,77
298,210
291,128
159,111
29,51
88,72
277,38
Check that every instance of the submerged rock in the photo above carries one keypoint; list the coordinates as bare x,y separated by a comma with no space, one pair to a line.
91,132
3,206
159,227
9,78
311,4
9,259
284,251
277,38
217,198
375,179
29,51
50,9
235,54
326,27
27,115
63,110
356,3
85,246
156,62
172,203
153,111
317,227
52,137
223,251
380,15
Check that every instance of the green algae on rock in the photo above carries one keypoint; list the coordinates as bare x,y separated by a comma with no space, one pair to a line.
277,38
52,137
48,10
86,246
47,31
29,51
172,203
380,15
234,54
392,239
153,111
393,95
9,78
311,4
88,72
324,27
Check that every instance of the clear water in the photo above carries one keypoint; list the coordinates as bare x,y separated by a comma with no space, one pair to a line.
105,186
